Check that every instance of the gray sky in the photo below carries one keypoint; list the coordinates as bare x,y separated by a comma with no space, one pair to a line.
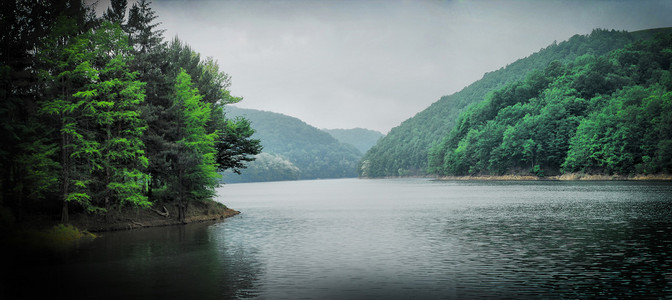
374,64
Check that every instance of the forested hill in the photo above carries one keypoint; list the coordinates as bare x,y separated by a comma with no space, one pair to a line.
362,139
403,151
599,114
293,150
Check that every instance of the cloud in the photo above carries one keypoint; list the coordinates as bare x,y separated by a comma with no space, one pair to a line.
373,64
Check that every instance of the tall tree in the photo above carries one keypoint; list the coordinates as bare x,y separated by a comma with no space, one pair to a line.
65,68
112,102
28,164
195,163
152,65
116,13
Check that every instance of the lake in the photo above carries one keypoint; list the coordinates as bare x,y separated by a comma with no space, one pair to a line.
384,239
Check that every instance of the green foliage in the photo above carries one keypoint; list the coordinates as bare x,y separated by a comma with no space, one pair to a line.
195,163
314,152
407,148
629,135
266,167
236,146
91,114
606,114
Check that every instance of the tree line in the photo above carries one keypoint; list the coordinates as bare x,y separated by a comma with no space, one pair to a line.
599,114
99,113
404,150
296,150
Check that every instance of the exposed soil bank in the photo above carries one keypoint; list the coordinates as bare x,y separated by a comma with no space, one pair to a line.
132,218
572,176
40,232
126,218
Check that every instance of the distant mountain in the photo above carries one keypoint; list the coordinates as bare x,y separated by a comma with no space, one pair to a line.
362,139
404,150
293,150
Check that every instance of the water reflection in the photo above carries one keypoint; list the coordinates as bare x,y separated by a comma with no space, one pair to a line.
572,244
177,262
400,239
383,239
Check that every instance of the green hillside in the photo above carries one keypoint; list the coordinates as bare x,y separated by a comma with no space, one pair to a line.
403,151
293,150
362,139
599,114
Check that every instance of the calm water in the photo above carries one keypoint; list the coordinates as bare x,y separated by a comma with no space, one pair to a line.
385,239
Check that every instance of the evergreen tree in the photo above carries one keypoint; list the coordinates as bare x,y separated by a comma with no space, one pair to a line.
116,13
28,153
91,105
112,104
66,68
194,164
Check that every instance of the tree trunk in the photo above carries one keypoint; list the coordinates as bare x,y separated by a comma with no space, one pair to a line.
64,213
181,211
108,215
184,212
65,164
65,218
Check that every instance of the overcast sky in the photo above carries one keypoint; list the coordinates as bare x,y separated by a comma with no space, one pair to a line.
374,64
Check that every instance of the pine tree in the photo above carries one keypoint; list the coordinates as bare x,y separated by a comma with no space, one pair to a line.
151,64
65,68
112,103
28,152
195,161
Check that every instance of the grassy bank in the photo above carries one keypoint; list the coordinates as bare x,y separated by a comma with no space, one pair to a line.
56,237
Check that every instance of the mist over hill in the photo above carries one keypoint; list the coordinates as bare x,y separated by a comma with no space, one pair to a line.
293,150
362,139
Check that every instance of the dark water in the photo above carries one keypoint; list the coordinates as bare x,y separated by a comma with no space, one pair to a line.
383,239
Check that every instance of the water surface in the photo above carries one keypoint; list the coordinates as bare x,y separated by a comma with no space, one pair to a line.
399,239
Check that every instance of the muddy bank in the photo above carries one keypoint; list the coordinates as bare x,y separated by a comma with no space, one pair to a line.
38,231
160,215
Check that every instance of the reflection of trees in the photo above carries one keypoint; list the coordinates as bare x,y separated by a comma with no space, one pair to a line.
176,262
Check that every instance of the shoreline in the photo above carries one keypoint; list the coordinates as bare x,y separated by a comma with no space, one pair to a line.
126,218
39,231
135,218
563,177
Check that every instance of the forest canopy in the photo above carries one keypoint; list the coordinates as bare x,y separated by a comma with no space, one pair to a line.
100,112
293,150
608,114
595,104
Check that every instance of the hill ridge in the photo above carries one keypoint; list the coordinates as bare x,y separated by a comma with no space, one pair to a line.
404,150
293,150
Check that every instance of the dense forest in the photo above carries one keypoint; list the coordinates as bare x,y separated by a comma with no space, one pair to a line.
100,112
524,117
293,150
608,114
362,139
